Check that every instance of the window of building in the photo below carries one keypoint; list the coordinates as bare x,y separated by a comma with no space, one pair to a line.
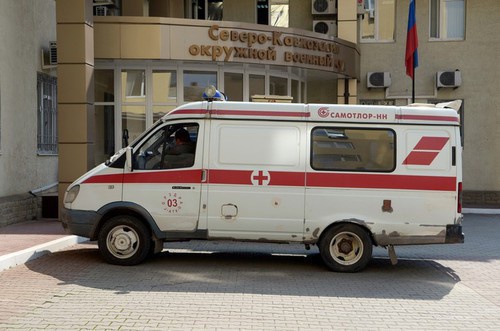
164,92
104,114
278,85
134,83
279,13
263,12
295,92
350,149
233,86
257,84
447,19
378,21
206,10
195,83
130,97
47,114
133,104
273,12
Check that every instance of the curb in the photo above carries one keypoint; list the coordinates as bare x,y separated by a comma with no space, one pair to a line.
32,253
481,211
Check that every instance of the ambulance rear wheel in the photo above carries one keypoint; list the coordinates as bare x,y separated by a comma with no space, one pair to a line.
346,248
124,240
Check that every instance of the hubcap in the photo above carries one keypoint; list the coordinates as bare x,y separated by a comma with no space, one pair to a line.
122,242
346,248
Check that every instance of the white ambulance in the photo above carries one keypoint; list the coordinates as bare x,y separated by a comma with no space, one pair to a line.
342,177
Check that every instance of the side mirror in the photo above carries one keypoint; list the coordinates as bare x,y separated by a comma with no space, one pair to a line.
128,162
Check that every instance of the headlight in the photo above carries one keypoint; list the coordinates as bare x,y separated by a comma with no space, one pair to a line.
72,194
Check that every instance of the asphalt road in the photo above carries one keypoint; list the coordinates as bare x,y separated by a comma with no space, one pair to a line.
242,286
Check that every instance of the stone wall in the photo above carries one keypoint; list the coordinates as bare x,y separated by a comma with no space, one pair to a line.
484,199
19,208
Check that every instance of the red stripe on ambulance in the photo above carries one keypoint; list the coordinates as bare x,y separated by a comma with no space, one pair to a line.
279,178
428,118
379,181
337,180
149,177
244,177
426,151
261,113
431,143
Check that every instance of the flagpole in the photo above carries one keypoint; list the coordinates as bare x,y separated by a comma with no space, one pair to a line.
411,55
413,87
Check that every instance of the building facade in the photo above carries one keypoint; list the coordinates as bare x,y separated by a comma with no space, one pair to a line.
28,94
458,39
122,64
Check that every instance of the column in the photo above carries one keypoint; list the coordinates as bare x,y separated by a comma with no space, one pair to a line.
75,86
347,29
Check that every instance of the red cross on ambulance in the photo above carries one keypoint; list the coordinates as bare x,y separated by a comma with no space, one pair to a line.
260,178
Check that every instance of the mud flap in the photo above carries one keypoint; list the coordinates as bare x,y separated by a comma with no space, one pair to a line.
392,254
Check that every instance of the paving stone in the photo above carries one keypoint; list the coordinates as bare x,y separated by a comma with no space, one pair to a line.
245,286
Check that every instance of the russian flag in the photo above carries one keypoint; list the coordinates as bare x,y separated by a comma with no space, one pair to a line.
411,58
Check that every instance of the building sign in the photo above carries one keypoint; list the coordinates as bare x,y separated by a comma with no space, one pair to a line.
275,47
193,40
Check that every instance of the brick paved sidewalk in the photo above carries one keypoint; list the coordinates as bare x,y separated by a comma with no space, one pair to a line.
26,241
20,236
204,285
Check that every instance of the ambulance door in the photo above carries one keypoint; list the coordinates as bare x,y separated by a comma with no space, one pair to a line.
256,180
166,175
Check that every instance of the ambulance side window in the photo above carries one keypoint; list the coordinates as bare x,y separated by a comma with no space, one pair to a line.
171,147
353,149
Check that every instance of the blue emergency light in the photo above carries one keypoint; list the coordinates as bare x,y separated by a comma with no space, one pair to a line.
212,94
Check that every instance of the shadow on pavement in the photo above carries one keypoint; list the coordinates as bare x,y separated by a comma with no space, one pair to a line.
212,267
248,272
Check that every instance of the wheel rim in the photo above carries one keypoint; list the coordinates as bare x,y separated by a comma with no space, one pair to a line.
346,248
122,241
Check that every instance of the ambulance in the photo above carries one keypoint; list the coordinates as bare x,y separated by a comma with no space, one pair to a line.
344,178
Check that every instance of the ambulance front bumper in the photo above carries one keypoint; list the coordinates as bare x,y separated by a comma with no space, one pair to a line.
80,222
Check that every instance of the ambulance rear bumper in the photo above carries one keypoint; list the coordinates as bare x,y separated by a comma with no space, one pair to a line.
80,222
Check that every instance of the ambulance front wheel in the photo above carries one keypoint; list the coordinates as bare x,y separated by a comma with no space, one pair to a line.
346,248
124,240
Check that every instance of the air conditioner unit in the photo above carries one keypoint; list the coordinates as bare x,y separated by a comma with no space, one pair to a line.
328,27
321,7
101,11
378,79
449,79
53,53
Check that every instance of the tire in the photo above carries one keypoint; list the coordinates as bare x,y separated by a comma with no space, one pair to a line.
124,240
346,248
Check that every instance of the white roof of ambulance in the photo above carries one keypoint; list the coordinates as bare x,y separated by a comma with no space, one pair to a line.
414,114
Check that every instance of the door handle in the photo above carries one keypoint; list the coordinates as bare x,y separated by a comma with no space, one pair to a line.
181,187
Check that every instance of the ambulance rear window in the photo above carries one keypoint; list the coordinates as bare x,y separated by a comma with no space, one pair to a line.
353,149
